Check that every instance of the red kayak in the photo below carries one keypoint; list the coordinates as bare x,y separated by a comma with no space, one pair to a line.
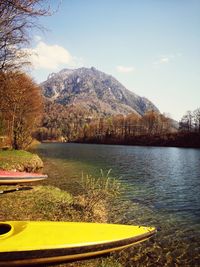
14,177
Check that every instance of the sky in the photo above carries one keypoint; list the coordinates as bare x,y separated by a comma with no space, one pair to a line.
152,47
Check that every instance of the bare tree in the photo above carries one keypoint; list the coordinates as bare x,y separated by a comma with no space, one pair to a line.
132,121
196,116
186,123
17,18
149,120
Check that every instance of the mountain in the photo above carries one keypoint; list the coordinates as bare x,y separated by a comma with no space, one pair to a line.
95,91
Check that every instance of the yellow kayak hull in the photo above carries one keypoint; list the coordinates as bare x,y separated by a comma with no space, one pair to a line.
31,243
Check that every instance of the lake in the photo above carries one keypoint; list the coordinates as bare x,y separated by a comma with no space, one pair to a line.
162,187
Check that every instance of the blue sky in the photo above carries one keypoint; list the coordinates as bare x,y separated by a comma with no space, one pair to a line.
151,46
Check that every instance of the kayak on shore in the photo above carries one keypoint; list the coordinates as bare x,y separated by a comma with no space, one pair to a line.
15,177
25,243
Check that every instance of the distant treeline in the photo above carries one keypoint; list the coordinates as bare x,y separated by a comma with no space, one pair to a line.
76,124
153,129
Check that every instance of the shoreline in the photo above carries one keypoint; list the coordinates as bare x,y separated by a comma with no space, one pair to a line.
125,143
183,140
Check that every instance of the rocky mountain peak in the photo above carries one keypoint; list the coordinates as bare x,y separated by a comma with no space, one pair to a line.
95,90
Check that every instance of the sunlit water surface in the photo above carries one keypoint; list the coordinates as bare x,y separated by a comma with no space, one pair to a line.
162,185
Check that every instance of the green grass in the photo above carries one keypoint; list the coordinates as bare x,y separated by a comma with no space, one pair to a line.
19,160
39,203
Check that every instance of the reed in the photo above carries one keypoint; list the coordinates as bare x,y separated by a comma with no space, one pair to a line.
104,184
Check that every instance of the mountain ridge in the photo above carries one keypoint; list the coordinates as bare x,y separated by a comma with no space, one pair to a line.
94,90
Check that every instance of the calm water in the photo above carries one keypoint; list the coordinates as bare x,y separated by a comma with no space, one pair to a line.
162,185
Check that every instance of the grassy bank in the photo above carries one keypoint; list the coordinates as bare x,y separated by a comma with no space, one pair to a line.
45,202
97,201
20,160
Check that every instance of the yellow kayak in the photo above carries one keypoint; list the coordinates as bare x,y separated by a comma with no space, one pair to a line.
31,243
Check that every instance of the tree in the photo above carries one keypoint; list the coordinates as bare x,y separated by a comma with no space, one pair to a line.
17,17
132,121
150,121
196,116
186,123
118,125
165,125
21,105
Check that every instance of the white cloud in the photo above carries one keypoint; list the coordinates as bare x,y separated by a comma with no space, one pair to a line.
125,69
164,59
51,57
